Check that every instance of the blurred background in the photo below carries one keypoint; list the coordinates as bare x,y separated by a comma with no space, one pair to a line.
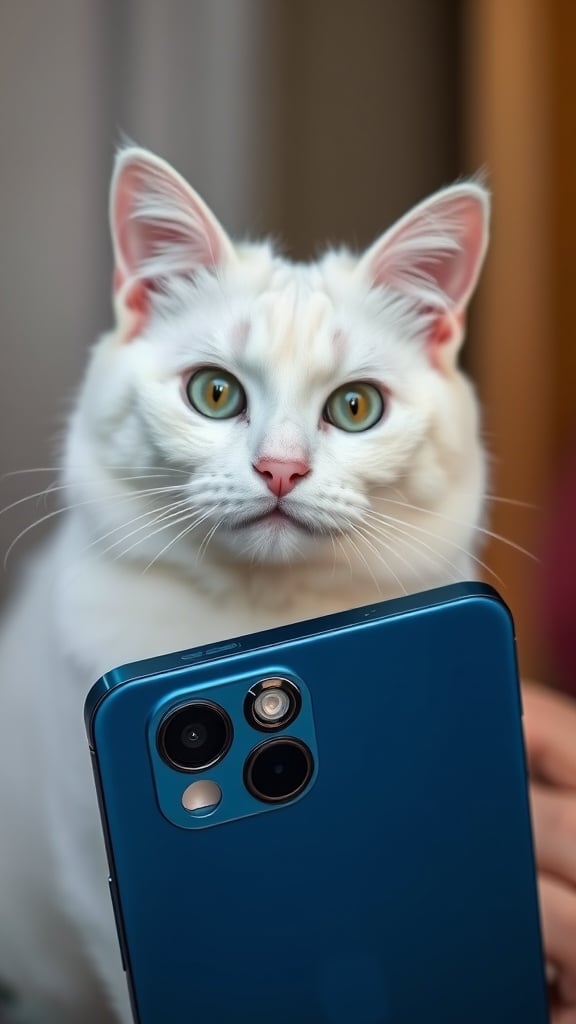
313,121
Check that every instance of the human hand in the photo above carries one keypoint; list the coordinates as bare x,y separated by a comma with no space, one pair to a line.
550,734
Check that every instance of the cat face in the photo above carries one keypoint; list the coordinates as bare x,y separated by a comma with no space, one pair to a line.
292,409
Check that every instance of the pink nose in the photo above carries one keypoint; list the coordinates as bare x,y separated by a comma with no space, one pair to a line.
281,476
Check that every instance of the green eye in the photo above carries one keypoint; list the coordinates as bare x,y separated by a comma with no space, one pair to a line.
216,393
354,407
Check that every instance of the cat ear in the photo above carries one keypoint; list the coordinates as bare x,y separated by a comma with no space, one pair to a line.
434,255
160,228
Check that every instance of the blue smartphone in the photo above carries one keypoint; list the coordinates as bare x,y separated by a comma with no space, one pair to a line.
326,822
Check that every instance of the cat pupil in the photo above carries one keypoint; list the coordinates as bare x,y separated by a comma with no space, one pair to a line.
217,392
354,405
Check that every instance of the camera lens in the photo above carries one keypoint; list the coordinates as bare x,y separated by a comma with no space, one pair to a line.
272,703
195,736
278,770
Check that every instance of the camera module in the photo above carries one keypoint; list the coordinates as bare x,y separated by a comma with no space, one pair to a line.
195,736
278,770
272,703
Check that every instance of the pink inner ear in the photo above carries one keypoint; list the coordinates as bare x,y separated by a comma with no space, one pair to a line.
160,226
456,273
435,252
161,229
141,239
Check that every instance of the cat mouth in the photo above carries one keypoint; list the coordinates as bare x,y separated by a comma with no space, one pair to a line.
277,515
274,516
281,518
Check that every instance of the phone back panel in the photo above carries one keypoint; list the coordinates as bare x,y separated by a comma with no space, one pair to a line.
399,889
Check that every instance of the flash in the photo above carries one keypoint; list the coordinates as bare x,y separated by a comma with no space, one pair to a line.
272,704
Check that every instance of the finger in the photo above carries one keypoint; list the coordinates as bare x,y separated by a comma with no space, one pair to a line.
563,1015
563,993
554,827
550,734
562,1003
558,916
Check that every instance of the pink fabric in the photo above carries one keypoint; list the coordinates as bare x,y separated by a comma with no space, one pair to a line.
558,595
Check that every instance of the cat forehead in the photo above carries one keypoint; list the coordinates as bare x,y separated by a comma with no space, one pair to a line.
286,317
293,320
283,317
305,318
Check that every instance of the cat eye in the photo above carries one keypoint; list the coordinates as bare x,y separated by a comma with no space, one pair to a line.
354,407
216,393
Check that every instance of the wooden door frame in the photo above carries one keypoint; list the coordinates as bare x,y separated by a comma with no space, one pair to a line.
509,132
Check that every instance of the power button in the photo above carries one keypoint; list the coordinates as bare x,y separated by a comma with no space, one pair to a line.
114,898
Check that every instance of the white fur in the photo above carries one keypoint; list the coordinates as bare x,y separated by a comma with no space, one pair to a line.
125,578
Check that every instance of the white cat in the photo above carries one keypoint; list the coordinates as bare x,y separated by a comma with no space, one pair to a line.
255,442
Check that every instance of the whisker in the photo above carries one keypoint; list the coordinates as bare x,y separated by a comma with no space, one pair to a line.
381,558
334,556
461,522
187,529
159,513
511,501
363,558
163,470
53,489
204,545
23,533
342,546
434,555
391,521
381,536
80,504
166,520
